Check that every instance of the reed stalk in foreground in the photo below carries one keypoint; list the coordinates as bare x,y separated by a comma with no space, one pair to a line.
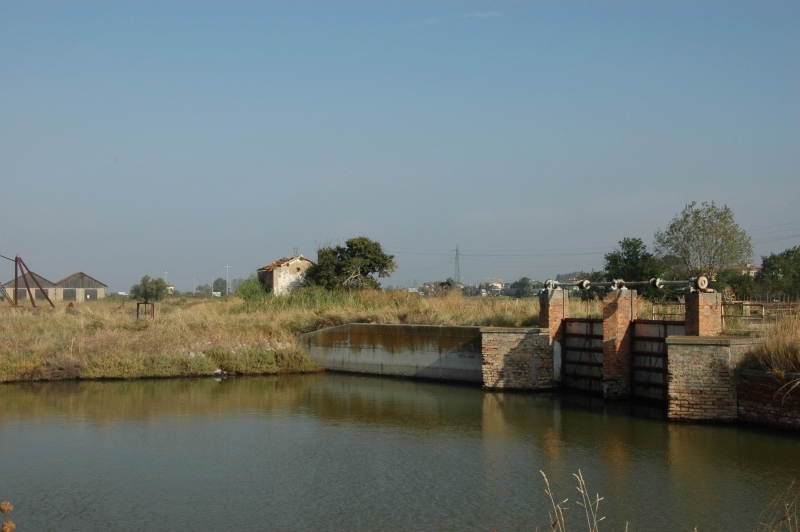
781,515
590,505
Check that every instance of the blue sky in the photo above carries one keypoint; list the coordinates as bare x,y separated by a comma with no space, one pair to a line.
138,137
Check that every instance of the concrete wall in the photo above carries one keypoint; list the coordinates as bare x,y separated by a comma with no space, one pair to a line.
702,384
446,353
766,401
519,359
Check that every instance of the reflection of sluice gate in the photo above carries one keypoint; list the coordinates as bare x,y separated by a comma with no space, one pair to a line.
582,360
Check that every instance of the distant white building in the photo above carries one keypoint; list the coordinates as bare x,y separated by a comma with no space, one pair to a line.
749,269
284,275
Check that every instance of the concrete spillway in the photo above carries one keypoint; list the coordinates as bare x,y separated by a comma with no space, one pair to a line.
428,351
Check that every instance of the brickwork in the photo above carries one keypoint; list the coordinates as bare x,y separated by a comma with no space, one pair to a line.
702,384
619,309
553,307
763,400
519,359
703,314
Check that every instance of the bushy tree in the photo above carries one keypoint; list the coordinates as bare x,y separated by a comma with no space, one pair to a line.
251,289
220,285
631,261
356,265
203,289
781,272
149,290
524,287
704,239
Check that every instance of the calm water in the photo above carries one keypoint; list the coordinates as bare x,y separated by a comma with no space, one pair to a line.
337,452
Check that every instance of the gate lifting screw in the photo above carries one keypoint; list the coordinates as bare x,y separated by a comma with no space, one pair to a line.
695,284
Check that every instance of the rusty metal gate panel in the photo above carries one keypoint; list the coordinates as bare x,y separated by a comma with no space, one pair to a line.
582,355
649,357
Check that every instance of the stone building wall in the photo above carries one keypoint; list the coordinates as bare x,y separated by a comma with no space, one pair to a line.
765,401
702,382
520,359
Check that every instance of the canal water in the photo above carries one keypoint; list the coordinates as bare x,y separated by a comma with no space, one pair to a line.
343,452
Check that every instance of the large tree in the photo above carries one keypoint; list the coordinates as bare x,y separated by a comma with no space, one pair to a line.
355,265
149,290
704,239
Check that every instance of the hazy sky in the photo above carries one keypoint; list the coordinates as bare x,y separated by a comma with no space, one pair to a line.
138,137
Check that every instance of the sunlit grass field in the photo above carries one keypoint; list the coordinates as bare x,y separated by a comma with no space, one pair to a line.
193,336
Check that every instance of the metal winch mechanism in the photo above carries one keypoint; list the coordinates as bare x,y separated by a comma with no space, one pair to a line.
695,284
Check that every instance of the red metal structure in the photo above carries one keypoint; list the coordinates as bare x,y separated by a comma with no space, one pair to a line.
21,268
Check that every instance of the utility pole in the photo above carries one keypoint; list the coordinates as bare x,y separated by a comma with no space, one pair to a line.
457,274
165,277
226,278
194,283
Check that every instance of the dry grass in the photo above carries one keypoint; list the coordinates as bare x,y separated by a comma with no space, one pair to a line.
197,336
95,340
781,514
192,337
779,349
590,505
309,310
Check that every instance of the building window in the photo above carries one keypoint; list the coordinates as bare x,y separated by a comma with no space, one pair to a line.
22,294
90,293
39,294
68,294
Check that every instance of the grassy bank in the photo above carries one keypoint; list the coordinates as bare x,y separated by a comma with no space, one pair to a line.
191,336
102,340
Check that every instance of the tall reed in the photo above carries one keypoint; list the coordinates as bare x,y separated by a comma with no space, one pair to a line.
778,350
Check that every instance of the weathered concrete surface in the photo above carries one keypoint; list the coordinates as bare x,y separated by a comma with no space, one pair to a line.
427,351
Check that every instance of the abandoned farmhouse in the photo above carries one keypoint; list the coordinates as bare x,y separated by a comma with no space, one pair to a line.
284,275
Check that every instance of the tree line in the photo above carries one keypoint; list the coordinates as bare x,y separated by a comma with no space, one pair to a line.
701,240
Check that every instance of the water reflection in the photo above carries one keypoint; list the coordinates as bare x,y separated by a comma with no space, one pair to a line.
334,451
